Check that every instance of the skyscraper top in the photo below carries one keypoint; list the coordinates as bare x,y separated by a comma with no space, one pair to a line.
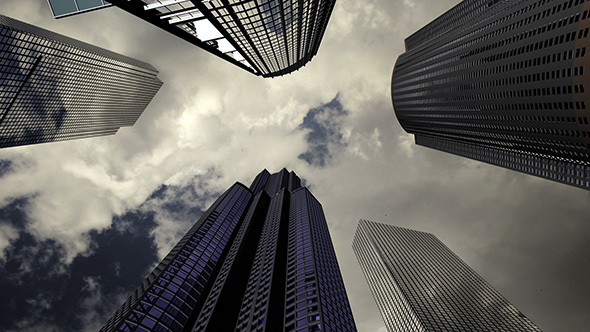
55,88
419,284
268,38
504,82
252,262
26,28
272,184
451,19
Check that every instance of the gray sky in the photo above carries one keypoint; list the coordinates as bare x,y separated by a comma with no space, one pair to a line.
68,207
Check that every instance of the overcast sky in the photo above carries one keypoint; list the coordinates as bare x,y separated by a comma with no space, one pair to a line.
73,214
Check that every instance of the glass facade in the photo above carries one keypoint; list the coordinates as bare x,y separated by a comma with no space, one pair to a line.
505,75
55,88
63,8
260,259
419,284
266,37
175,288
316,298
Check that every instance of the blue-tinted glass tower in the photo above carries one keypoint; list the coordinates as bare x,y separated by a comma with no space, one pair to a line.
260,259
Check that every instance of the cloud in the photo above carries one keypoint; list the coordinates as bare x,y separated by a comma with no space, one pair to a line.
7,235
323,127
103,209
176,207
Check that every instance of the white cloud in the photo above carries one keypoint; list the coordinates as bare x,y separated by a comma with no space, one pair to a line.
7,235
212,119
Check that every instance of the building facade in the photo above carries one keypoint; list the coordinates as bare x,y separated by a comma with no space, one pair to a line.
268,37
260,259
502,82
419,284
54,88
63,8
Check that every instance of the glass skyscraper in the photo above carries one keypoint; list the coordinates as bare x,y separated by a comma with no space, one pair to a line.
63,8
54,88
260,259
267,37
502,82
419,284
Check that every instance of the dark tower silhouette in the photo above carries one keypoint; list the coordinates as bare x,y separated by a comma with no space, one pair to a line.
260,259
267,37
502,82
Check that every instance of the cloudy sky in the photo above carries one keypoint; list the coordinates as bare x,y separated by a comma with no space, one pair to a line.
74,215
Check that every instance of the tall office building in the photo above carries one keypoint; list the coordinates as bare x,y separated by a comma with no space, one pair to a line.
260,259
54,88
502,82
266,37
419,284
63,8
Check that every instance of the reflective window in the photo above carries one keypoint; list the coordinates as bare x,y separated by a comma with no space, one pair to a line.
62,8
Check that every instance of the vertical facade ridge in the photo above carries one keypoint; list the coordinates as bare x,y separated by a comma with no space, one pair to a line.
257,298
237,263
441,292
55,88
392,302
316,296
171,294
268,38
251,263
506,85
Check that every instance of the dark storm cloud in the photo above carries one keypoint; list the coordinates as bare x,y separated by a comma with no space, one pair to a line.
40,293
324,124
528,237
5,166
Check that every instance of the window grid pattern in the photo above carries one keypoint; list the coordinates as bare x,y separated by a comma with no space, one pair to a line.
259,182
277,36
395,309
315,295
556,170
229,272
511,75
280,180
303,310
54,88
443,292
177,284
253,313
212,298
454,18
268,37
62,8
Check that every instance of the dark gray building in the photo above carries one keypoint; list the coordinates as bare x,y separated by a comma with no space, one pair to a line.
260,259
268,37
502,82
419,284
54,88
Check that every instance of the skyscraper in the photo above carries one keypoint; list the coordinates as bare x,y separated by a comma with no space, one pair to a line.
419,284
502,82
63,8
54,88
260,259
268,37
